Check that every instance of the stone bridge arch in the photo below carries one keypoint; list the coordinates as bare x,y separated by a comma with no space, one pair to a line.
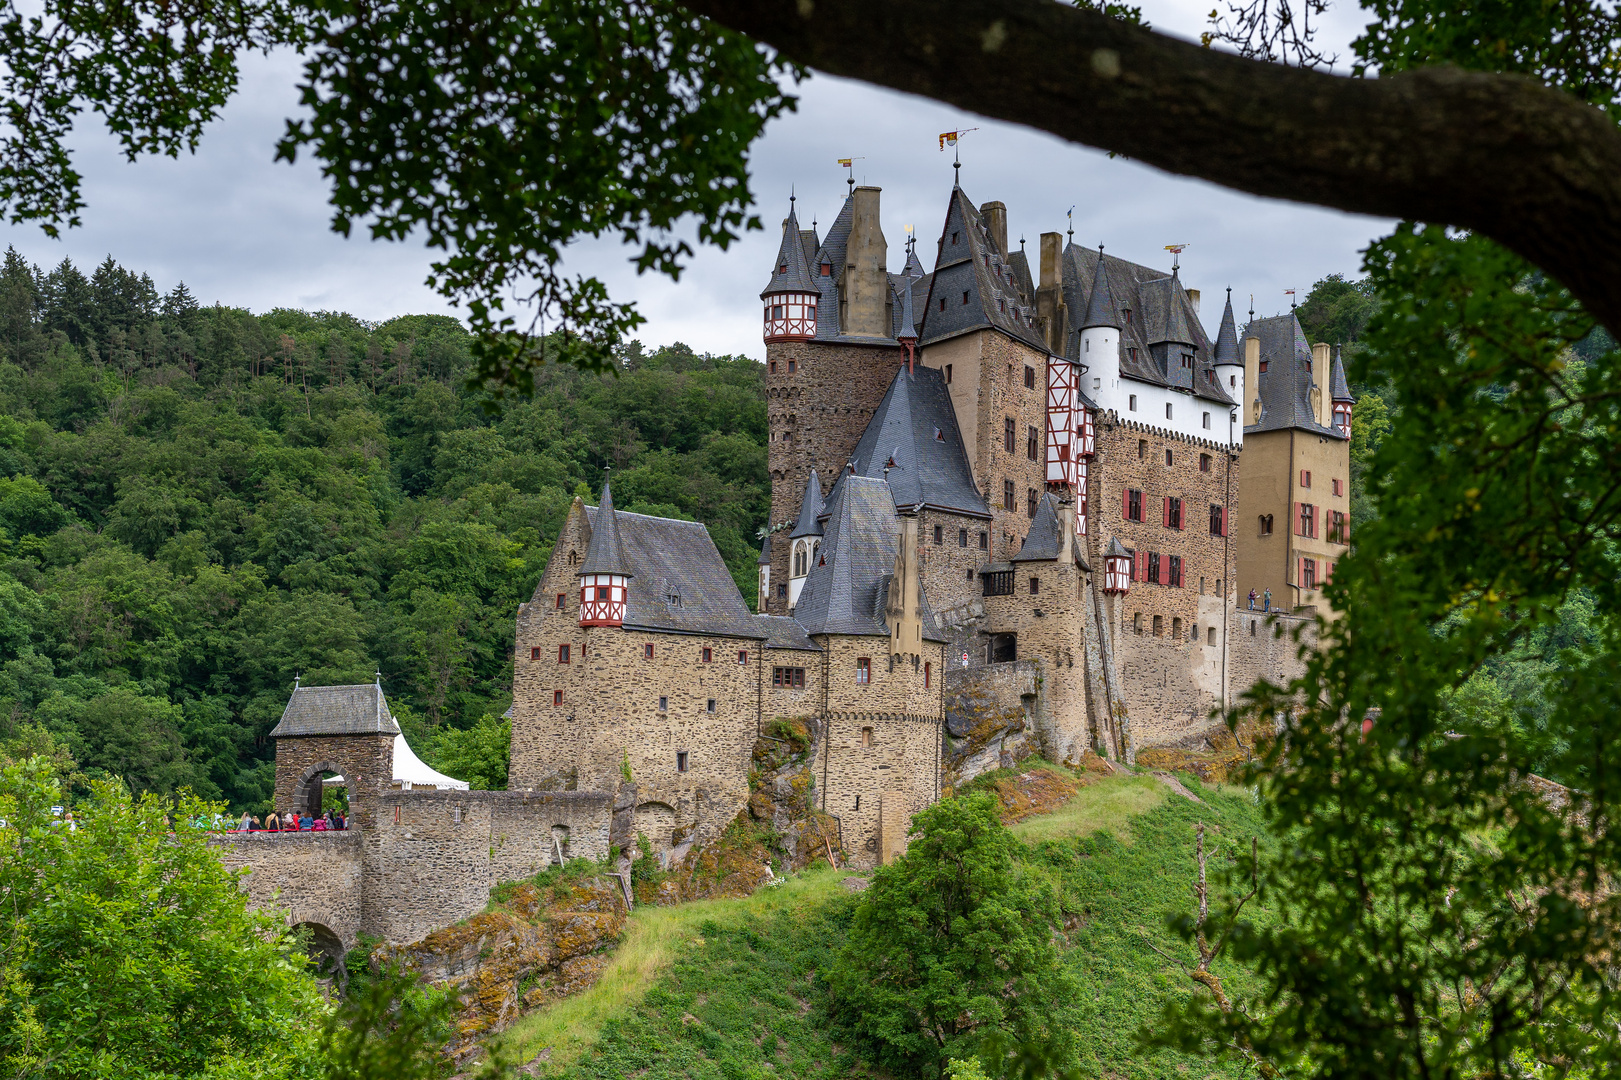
656,821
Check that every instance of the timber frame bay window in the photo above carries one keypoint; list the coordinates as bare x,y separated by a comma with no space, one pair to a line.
790,316
1117,568
602,599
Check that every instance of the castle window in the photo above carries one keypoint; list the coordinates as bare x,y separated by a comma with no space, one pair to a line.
602,592
1204,462
1207,420
1173,513
1002,306
708,655
1128,316
863,672
1305,478
866,736
776,311
1142,449
965,297
948,366
559,601
953,238
1035,586
1132,404
827,269
962,538
1133,354
742,656
1308,367
942,303
1218,520
1137,623
997,583
1168,458
680,761
1159,626
1167,410
1008,436
1187,360
970,574
782,592
1175,575
1032,442
1176,629
1134,504
664,703
647,651
1308,573
773,367
562,654
1153,574
1307,525
534,653
557,697
928,675
858,802
788,678
793,365
1337,529
1007,495
1029,377
1030,502
1263,366
1210,637
1266,524
939,534
984,540
710,706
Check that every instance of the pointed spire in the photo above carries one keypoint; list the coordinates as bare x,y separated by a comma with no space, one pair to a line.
791,273
1100,310
908,327
765,551
1227,337
605,556
1338,388
809,509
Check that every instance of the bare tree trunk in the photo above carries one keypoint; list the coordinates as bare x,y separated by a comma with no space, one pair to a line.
1531,167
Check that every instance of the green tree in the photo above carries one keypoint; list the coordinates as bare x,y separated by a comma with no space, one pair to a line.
479,754
953,941
131,952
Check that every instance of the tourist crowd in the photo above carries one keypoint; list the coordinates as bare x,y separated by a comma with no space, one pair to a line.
292,821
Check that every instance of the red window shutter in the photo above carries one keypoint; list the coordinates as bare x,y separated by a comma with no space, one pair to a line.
1182,517
1166,517
1125,504
1298,530
1345,530
1315,510
1165,569
1138,563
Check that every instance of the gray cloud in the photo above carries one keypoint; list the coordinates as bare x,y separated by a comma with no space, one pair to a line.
242,229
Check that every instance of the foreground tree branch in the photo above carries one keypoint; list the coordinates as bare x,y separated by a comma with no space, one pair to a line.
1531,167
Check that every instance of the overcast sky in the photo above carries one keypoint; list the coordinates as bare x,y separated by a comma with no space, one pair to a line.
244,230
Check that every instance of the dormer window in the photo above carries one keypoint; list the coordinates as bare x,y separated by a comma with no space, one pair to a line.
1128,316
827,269
954,238
1264,363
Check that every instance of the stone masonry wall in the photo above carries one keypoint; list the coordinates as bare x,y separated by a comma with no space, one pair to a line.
365,761
1267,647
1050,622
311,877
816,415
1004,396
870,761
950,568
1169,682
900,690
786,701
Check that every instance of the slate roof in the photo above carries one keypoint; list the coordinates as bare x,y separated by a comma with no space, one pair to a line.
1046,536
1285,387
782,632
604,555
1227,337
848,584
1338,388
765,551
914,266
905,315
970,264
914,435
336,710
1161,313
677,558
1100,308
1020,264
810,508
791,272
1116,549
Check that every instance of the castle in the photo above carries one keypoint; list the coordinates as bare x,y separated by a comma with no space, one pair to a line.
1002,522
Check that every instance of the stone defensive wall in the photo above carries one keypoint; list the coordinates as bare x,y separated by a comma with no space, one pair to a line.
428,859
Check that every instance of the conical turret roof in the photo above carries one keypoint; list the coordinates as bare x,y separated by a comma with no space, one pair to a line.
791,273
1338,388
1227,336
605,555
809,509
765,551
908,317
1100,311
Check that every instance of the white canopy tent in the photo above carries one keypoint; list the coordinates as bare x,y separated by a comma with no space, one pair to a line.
412,771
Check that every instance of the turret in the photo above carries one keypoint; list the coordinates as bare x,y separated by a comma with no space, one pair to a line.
903,609
604,576
1100,338
805,538
791,296
1116,567
1341,393
1228,361
1172,343
765,575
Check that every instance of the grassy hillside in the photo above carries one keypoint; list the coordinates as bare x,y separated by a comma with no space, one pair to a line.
729,988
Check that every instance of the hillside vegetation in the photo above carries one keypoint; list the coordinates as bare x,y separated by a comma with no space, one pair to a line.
730,988
199,504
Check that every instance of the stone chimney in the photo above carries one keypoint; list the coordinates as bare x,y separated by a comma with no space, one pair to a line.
995,215
1050,307
1193,298
1252,380
866,270
1322,407
903,611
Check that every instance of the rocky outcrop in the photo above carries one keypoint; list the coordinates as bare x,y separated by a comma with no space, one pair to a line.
535,944
987,720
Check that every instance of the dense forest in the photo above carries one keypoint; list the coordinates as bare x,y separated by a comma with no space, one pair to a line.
199,504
